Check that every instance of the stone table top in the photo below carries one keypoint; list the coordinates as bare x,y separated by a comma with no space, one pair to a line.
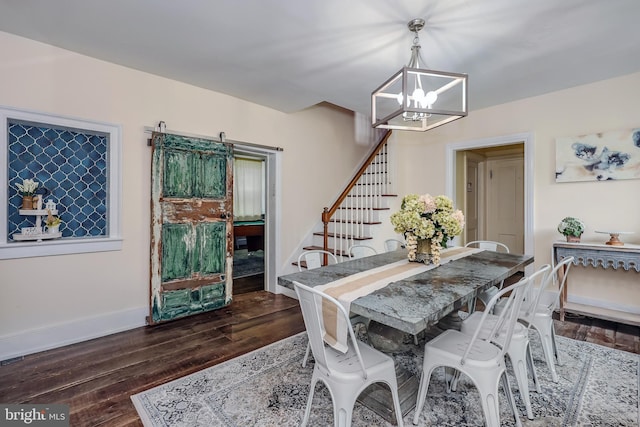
418,302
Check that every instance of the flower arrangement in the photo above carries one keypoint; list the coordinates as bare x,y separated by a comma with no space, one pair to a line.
571,226
426,217
52,221
28,187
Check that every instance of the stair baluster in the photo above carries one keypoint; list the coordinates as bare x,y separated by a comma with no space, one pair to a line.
358,202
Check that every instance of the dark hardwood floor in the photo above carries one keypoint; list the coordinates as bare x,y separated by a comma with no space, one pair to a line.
246,284
96,378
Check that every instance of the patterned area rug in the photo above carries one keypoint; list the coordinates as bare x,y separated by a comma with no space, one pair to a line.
247,263
268,387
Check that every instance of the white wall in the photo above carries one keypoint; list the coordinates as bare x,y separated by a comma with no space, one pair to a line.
64,298
598,107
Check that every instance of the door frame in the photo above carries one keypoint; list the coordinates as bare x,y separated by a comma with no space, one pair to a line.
528,139
272,158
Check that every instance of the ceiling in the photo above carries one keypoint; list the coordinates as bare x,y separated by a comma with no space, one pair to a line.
292,54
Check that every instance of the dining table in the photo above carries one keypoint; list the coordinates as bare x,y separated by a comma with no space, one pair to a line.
413,304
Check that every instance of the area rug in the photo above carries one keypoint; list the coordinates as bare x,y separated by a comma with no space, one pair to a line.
598,386
247,263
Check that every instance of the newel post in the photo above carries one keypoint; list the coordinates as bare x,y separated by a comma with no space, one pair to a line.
326,217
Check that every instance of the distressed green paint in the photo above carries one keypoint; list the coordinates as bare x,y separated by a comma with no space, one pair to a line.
178,173
185,302
171,141
176,303
212,296
190,252
211,248
210,176
177,251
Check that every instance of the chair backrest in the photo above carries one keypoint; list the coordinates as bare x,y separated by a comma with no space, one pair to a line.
314,258
361,251
507,319
488,245
391,245
313,303
547,299
538,280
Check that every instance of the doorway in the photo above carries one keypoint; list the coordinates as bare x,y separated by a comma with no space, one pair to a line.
491,179
493,194
248,223
260,235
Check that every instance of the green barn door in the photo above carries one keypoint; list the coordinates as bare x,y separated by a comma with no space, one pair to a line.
191,226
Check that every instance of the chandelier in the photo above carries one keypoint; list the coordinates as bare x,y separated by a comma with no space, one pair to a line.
418,99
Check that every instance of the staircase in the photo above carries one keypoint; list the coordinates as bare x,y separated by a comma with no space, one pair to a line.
355,215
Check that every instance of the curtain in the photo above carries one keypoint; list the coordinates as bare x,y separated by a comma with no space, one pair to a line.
248,189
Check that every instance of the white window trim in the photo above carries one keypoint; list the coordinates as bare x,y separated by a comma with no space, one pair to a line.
24,249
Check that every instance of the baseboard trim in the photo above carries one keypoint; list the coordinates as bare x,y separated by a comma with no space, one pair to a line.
72,332
286,291
603,304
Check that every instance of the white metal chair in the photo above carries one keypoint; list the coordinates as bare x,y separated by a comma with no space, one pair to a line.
488,245
346,375
361,251
391,245
477,358
537,312
313,259
518,351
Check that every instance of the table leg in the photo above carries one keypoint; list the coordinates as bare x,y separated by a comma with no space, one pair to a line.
563,296
377,397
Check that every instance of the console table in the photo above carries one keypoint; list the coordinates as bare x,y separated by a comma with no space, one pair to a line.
625,257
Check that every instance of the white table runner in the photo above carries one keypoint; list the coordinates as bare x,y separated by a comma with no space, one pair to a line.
352,287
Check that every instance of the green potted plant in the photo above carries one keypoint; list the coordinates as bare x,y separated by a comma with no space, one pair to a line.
53,223
572,228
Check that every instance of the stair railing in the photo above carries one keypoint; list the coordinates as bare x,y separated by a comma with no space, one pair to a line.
374,177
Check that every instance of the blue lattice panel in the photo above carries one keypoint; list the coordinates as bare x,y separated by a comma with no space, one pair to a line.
71,165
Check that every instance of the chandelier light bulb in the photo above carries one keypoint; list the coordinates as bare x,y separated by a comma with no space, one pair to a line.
400,98
418,96
431,98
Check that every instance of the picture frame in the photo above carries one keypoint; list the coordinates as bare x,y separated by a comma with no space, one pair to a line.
604,156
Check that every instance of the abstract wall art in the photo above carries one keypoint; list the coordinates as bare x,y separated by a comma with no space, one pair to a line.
602,156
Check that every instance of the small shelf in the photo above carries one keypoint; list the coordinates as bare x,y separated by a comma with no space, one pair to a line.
42,236
37,212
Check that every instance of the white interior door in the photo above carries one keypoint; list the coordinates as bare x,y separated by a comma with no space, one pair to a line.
505,202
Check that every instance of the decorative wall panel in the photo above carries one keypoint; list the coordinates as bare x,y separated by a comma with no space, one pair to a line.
70,164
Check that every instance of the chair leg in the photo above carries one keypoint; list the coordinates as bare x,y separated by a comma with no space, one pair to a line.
451,377
555,345
532,368
342,415
471,307
518,354
422,393
344,398
547,347
307,410
396,403
512,401
306,355
488,390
